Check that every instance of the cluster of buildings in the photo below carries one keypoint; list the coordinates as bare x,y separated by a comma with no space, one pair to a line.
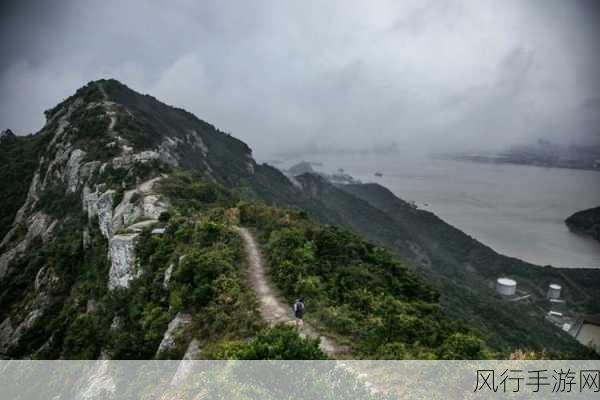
586,329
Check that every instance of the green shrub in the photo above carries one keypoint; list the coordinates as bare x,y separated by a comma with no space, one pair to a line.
463,347
278,343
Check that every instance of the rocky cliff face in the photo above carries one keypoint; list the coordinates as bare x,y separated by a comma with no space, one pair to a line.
77,163
105,151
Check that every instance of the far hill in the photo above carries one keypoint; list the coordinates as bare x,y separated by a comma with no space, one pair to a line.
586,222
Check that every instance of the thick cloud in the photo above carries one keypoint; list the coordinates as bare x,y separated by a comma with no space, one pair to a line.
320,74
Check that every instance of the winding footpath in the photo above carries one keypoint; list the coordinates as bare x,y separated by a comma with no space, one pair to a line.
272,310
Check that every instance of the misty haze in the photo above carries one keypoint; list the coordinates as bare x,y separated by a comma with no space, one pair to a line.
318,180
426,75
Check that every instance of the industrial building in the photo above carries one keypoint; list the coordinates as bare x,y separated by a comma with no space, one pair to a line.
587,332
554,291
506,286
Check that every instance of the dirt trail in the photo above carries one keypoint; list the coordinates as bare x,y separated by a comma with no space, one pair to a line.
271,308
109,112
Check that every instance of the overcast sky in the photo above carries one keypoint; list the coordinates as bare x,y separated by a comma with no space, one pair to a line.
284,75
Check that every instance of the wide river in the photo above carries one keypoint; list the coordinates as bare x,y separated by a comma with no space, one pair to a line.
517,210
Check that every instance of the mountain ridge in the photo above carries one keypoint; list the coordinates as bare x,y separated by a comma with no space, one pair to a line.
109,166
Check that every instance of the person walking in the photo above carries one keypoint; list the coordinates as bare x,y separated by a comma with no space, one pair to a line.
299,312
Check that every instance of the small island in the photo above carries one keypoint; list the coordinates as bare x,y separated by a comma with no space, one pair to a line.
586,222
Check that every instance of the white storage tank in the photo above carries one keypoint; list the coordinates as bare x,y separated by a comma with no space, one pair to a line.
506,286
554,291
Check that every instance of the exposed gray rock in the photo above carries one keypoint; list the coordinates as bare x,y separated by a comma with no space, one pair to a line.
196,141
122,255
126,212
104,209
148,205
45,279
116,323
167,278
140,226
99,384
148,186
6,333
185,366
89,201
163,153
32,197
30,201
54,171
153,206
167,151
146,156
175,328
38,225
193,350
72,170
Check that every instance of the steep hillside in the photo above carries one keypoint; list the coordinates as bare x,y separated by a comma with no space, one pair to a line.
586,222
466,270
81,272
356,292
122,244
18,157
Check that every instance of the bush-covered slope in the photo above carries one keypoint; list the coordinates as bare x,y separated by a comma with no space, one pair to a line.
357,291
439,252
193,273
465,271
18,159
111,164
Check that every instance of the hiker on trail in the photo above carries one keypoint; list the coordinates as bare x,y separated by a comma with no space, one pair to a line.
299,312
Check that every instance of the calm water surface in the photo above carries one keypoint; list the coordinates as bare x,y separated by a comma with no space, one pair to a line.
517,210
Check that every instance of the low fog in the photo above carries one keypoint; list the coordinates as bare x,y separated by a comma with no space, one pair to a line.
321,75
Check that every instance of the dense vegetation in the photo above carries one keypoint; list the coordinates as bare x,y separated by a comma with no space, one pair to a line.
18,160
464,269
83,319
357,291
278,343
207,283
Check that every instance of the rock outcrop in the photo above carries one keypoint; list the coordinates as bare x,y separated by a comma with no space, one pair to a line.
176,327
37,225
122,256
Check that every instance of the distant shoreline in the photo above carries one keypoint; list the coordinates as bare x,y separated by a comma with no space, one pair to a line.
501,160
